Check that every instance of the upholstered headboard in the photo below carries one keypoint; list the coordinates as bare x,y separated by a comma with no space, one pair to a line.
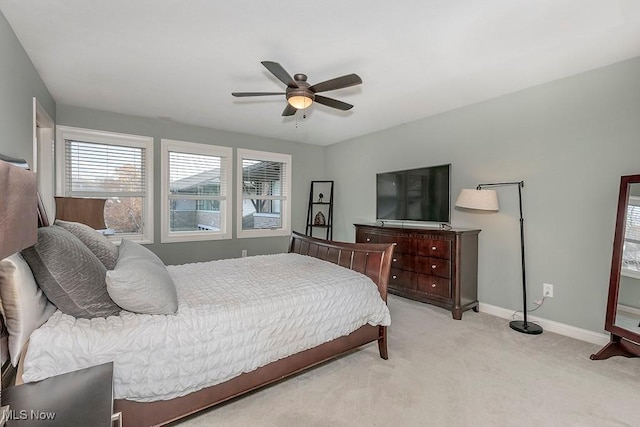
18,229
18,209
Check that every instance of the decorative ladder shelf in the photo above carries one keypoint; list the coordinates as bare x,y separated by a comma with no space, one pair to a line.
320,211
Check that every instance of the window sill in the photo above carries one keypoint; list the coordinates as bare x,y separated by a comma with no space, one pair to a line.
630,273
249,234
193,237
117,239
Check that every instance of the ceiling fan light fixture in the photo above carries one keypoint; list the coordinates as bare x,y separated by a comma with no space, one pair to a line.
300,94
300,102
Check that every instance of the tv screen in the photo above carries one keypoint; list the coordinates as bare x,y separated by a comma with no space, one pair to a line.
414,195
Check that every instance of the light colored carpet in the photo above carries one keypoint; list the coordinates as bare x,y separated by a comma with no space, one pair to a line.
443,372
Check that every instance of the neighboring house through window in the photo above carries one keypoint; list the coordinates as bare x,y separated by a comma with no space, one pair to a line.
115,166
263,192
196,202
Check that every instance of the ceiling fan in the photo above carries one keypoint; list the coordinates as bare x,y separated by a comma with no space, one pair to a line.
300,94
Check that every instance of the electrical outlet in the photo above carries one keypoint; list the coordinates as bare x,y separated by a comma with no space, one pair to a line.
244,253
547,290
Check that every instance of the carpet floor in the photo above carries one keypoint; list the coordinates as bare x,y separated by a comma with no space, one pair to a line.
443,372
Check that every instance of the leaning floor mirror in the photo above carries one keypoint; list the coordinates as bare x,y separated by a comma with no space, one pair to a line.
623,305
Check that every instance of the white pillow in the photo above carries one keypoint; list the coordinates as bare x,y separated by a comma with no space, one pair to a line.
22,303
140,282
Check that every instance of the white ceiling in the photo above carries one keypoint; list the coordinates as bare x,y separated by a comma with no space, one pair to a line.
180,60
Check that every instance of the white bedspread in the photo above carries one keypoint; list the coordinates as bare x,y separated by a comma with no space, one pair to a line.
234,316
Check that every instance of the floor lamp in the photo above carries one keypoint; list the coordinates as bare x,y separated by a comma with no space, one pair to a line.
487,200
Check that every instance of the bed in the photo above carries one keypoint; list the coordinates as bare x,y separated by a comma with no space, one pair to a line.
307,258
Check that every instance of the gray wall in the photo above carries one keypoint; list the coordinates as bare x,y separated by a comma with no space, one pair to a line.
19,83
307,162
569,140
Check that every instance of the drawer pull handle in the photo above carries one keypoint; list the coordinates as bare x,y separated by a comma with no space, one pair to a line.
394,276
433,267
433,248
395,259
433,285
368,239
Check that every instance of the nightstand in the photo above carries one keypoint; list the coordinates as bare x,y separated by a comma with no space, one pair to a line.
79,398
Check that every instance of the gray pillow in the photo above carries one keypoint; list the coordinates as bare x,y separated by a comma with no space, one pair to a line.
140,282
69,274
101,247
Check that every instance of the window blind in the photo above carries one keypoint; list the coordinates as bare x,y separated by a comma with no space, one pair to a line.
104,169
632,227
264,185
264,179
196,175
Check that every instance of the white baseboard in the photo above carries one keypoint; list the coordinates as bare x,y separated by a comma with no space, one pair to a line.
549,325
630,310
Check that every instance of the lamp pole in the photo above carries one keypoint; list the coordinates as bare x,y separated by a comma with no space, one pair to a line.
517,325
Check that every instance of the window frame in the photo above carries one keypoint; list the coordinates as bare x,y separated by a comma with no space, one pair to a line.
285,229
63,133
168,236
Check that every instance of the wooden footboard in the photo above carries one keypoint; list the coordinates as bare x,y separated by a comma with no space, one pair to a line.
373,260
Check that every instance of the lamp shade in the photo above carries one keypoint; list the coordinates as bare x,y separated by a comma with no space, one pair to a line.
485,200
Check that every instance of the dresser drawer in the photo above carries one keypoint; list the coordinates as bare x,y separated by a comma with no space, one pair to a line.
403,261
402,279
403,241
434,285
433,266
434,248
366,236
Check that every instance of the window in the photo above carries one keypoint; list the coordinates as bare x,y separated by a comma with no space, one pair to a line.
264,191
631,250
195,199
114,166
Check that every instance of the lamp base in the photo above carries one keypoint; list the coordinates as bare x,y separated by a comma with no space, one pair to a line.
529,328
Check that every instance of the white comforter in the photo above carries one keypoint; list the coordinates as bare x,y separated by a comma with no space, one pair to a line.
234,316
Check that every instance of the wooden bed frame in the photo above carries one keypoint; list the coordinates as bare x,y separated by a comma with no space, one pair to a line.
373,260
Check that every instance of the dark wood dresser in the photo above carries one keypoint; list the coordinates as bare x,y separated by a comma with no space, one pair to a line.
435,266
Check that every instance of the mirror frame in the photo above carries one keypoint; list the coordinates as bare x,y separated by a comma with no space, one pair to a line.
623,342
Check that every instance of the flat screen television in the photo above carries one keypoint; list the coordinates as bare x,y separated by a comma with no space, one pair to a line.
421,194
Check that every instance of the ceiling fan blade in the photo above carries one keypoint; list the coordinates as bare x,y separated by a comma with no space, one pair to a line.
334,103
282,75
337,83
289,110
241,94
